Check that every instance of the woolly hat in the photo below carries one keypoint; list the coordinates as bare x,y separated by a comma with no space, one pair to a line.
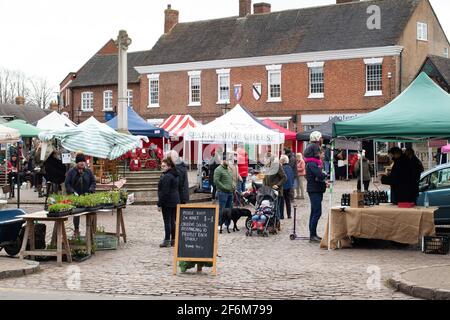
315,136
80,158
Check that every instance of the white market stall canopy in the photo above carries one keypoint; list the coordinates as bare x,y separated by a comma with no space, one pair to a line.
95,139
54,121
236,126
9,135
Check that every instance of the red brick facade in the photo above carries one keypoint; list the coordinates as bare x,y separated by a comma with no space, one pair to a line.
344,82
79,116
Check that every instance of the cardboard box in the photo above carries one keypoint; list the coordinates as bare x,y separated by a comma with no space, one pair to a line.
357,200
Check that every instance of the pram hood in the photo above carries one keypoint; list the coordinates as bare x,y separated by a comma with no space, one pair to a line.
266,193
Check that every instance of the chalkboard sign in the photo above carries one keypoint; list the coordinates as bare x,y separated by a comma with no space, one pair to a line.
196,234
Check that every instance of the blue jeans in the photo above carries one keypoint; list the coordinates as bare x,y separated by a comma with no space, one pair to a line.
259,218
244,180
225,201
327,166
316,211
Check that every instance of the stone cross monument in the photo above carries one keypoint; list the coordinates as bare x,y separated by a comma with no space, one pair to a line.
122,42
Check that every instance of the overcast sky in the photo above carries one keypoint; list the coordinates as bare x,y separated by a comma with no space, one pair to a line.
50,38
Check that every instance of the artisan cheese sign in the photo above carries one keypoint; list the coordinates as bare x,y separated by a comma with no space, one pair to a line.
196,234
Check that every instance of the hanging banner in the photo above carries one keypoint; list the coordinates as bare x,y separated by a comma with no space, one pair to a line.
347,144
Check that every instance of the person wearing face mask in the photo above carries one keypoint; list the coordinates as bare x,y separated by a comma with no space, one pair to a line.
223,180
79,180
168,199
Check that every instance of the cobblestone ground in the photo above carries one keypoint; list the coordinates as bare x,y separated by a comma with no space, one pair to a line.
248,267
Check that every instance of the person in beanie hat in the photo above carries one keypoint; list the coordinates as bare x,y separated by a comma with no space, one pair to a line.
79,180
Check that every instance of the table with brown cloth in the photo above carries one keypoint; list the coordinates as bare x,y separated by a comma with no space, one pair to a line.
383,222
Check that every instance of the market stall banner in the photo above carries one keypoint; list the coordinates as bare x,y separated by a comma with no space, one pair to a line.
236,126
95,139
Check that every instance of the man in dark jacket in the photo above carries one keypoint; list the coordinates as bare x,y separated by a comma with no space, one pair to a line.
168,199
275,177
79,180
316,184
292,162
183,183
55,171
401,178
287,187
214,162
417,169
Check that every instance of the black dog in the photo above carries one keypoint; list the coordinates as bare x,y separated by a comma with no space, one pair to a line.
234,215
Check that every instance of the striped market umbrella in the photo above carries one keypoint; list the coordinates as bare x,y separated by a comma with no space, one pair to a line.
95,139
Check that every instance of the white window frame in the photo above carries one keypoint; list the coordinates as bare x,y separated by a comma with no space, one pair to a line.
371,62
106,96
87,101
446,52
152,78
273,69
314,65
130,97
223,73
193,75
422,31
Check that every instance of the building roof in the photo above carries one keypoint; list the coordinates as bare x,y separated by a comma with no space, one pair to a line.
443,66
103,70
323,28
30,114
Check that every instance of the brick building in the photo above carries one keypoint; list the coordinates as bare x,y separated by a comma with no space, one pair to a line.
92,91
298,67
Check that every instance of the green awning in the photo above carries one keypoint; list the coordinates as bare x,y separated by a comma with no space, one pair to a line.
421,111
26,130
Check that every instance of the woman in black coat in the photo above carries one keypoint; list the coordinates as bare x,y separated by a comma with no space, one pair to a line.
168,199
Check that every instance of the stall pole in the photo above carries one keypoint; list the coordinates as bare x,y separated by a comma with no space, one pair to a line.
190,162
375,164
331,195
430,151
164,145
296,146
199,164
184,151
18,177
361,169
347,164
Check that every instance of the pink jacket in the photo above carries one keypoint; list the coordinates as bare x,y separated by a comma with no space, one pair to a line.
301,168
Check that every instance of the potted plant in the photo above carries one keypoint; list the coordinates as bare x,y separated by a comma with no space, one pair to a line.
90,202
115,198
105,200
60,210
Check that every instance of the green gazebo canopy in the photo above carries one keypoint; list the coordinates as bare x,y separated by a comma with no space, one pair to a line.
421,111
26,130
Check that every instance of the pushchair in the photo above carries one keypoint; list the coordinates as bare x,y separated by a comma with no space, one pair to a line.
266,194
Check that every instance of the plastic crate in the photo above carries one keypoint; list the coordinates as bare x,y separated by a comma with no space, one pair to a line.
105,242
435,245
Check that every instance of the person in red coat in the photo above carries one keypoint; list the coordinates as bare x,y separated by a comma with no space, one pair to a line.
242,160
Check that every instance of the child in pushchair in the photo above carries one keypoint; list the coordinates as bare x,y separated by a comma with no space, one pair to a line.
265,218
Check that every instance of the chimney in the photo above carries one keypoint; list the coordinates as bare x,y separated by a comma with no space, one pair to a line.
261,7
345,1
171,18
245,7
54,106
20,101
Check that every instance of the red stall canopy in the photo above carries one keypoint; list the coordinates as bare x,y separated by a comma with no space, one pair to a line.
288,135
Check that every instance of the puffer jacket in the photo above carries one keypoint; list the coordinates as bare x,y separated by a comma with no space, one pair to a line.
168,192
315,178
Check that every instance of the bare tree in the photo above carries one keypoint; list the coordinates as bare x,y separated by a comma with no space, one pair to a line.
12,85
40,92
